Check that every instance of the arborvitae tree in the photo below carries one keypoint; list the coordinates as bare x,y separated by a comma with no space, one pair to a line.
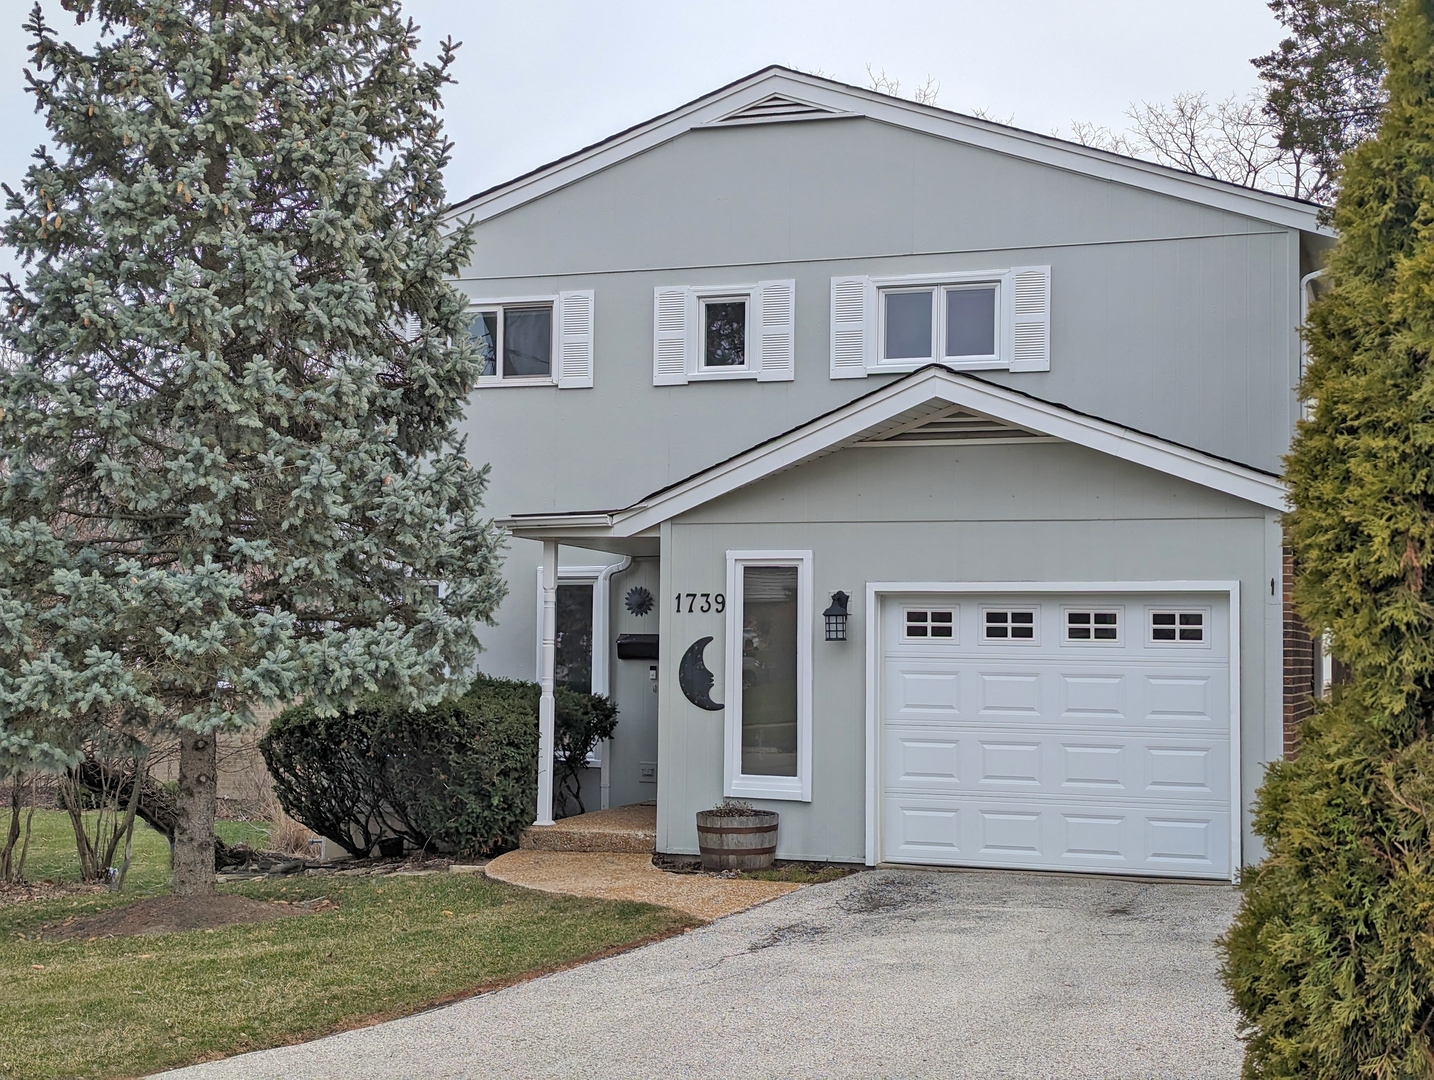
1331,960
228,473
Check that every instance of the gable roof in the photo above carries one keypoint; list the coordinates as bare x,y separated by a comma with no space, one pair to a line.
777,94
935,404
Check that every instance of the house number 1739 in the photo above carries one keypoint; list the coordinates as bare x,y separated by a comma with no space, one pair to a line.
703,602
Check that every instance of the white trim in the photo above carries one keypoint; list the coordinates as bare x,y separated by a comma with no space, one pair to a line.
734,783
877,590
1092,642
486,382
546,700
1009,610
852,421
595,576
936,285
854,101
1177,643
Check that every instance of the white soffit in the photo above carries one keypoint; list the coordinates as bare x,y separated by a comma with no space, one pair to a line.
762,97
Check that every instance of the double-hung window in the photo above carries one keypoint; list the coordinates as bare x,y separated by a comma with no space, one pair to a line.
534,340
977,320
709,333
769,675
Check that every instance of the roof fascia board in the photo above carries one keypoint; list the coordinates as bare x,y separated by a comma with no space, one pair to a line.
1069,156
837,427
936,122
609,152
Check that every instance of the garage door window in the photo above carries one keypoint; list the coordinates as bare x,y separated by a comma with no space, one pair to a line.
1083,627
1178,627
769,684
927,624
1009,624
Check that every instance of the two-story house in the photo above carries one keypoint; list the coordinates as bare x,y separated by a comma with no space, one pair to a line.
907,473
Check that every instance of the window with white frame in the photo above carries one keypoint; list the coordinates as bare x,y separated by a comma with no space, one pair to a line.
703,333
723,347
1179,627
1010,625
515,341
1086,626
966,319
579,611
955,323
534,340
930,624
769,663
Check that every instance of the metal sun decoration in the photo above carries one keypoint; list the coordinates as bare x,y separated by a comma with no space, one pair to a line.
638,601
836,617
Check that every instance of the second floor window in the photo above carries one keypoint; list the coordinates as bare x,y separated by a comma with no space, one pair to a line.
724,333
956,323
515,341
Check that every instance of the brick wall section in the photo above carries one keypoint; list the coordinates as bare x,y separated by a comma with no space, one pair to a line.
1300,674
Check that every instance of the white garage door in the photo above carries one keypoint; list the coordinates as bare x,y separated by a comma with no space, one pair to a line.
1057,732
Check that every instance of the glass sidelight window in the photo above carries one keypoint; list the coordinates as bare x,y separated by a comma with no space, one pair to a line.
769,670
573,666
769,675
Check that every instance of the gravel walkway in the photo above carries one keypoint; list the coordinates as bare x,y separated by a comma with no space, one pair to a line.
887,973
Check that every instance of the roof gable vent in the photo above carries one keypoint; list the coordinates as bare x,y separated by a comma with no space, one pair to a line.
945,425
774,108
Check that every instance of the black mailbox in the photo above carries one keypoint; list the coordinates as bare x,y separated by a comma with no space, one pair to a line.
637,646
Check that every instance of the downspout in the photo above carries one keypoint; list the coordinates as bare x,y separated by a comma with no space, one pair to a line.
602,661
1306,297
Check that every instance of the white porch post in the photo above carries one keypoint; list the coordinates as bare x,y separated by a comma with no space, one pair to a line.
547,703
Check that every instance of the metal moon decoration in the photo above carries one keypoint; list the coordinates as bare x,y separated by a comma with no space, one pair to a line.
694,678
638,601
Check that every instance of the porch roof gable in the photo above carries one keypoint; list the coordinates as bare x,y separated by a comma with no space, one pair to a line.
932,404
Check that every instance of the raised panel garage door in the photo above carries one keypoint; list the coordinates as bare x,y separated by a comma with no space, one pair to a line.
1057,732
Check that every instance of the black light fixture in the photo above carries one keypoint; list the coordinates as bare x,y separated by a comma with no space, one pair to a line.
835,617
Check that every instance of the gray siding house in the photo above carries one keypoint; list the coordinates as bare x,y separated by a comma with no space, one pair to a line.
1020,402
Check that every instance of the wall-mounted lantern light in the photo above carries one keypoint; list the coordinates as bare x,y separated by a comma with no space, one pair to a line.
835,617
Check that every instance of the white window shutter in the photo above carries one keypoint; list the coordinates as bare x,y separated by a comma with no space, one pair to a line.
1031,339
853,326
575,339
669,337
775,320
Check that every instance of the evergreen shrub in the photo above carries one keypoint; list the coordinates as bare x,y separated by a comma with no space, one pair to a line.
459,777
1330,961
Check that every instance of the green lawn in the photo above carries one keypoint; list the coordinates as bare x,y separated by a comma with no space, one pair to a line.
126,1007
52,850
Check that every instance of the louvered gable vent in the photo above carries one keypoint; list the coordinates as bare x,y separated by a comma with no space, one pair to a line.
774,108
951,424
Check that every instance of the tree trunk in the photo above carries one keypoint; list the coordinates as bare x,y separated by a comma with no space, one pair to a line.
193,857
8,870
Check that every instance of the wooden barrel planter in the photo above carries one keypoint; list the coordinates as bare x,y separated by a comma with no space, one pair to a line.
729,842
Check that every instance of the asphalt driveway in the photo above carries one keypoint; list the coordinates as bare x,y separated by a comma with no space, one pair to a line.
887,973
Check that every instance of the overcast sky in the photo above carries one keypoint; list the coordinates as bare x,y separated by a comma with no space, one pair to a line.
538,79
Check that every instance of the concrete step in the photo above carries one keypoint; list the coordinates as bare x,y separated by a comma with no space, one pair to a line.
631,829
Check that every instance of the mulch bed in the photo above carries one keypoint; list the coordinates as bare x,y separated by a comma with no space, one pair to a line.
173,914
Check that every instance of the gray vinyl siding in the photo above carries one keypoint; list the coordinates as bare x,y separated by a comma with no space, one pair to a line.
1171,317
1043,512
